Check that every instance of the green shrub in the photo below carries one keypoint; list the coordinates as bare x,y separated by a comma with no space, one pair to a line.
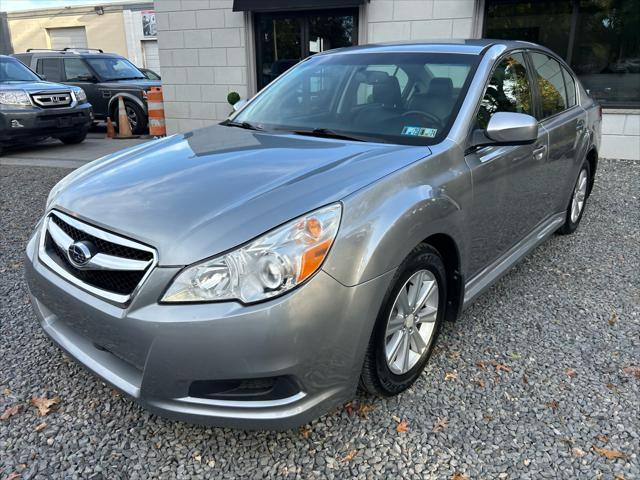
233,98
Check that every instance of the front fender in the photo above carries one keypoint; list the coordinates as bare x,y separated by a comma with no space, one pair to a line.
113,101
382,224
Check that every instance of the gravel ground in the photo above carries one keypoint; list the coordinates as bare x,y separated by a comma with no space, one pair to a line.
533,381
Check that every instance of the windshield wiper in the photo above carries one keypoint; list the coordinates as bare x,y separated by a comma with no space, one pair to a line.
326,133
245,125
129,78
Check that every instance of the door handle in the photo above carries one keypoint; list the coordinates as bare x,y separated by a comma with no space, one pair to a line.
579,125
539,152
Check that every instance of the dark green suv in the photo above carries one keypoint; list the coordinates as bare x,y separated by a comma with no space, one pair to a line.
103,76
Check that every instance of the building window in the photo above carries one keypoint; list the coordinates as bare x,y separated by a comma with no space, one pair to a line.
598,38
283,39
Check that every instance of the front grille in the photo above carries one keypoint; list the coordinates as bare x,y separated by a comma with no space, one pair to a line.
52,99
113,267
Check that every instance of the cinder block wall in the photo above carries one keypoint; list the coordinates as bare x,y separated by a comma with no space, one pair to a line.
203,58
395,20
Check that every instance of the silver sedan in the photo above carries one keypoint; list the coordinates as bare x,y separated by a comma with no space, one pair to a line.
255,272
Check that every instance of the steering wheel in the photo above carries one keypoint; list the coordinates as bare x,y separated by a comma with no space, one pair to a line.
431,118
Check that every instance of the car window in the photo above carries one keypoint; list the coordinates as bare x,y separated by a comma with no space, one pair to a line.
113,68
570,85
14,71
508,90
364,93
50,68
553,95
75,70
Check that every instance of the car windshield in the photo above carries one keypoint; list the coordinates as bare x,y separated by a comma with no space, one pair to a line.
406,98
12,70
109,68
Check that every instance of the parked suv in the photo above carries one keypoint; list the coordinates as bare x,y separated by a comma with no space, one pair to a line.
103,76
31,108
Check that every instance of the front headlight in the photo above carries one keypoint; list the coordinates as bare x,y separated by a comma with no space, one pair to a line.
81,97
266,267
14,97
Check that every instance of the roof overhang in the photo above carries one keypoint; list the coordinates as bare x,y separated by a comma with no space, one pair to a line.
288,5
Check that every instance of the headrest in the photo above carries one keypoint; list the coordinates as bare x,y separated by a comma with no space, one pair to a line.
387,92
440,87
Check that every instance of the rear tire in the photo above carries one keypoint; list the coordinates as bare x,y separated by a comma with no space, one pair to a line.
407,326
74,138
578,201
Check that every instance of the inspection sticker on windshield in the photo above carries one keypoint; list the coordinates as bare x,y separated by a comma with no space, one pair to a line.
419,132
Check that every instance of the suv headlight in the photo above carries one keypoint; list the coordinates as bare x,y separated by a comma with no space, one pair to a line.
266,267
14,97
81,97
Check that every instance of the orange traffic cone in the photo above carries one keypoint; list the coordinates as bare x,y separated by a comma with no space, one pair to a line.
111,132
124,128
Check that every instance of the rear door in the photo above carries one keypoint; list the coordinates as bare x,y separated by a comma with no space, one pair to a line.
50,68
506,179
564,120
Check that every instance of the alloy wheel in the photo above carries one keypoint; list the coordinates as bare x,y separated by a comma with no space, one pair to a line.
579,196
412,321
132,116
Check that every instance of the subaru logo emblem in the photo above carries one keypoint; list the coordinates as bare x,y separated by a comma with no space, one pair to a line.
81,252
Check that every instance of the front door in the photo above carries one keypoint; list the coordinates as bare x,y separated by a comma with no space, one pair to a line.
283,39
76,72
506,179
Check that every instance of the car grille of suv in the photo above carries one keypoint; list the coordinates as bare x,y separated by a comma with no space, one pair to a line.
107,265
52,99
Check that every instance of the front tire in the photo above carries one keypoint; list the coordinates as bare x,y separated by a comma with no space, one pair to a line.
74,138
407,325
578,201
137,117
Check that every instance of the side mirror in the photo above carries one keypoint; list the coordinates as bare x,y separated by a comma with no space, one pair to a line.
239,104
507,128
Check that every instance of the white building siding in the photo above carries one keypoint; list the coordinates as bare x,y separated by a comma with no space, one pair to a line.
395,20
203,58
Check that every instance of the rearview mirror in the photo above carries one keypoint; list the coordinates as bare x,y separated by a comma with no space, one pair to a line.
507,128
239,104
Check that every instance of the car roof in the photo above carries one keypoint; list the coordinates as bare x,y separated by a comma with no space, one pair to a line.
67,53
453,46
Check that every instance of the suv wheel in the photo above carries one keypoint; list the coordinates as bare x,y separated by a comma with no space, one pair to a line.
407,325
137,117
75,138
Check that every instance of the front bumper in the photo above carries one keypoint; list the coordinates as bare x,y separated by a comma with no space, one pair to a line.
317,335
39,122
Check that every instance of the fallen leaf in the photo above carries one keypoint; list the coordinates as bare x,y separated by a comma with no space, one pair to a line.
618,476
632,370
396,418
602,438
348,407
553,405
525,379
364,410
610,454
349,456
402,427
454,355
578,452
570,372
10,412
459,476
41,426
481,365
12,476
480,382
44,405
6,392
501,367
197,457
451,375
305,431
613,319
115,393
441,424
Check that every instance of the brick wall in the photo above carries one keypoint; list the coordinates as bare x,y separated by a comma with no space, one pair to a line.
203,58
391,20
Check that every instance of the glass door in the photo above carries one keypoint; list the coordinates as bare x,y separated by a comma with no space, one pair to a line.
283,39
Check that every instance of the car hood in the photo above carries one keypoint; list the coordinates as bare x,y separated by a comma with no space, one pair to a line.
34,86
195,195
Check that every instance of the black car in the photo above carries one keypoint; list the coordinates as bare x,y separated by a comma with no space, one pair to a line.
104,76
32,109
